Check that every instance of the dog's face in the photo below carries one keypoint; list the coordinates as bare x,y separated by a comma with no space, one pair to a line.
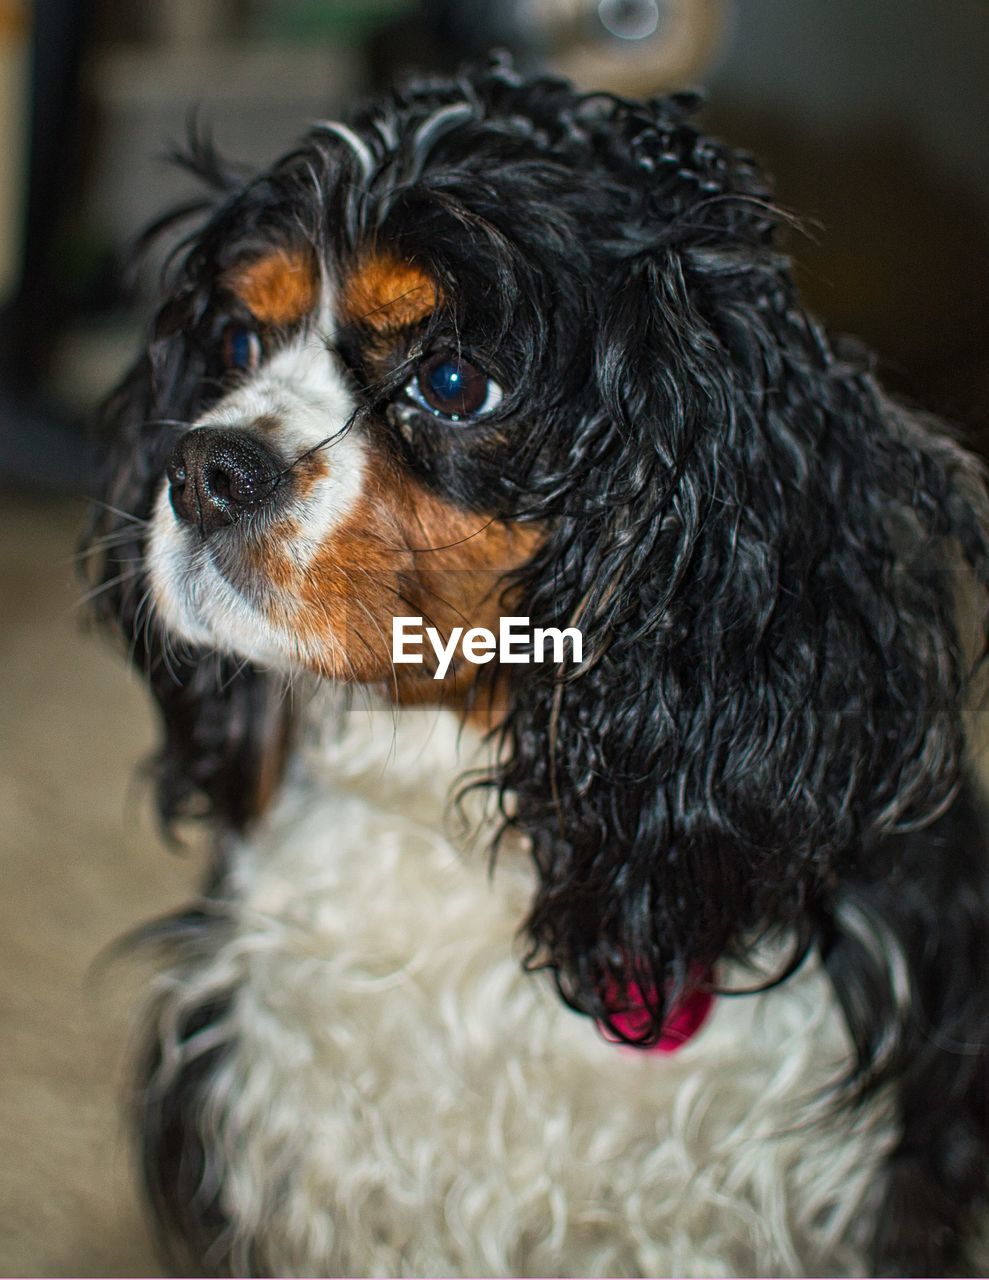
499,346
389,351
343,473
385,354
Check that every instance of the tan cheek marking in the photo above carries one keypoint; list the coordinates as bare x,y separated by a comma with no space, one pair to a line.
278,289
306,472
350,593
388,295
340,605
461,558
269,561
401,550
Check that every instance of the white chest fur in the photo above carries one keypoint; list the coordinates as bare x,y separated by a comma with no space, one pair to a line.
399,1097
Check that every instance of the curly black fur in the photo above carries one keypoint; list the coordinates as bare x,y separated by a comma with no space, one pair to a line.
759,546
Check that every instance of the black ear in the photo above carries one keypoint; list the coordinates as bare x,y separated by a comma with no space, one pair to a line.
225,723
761,558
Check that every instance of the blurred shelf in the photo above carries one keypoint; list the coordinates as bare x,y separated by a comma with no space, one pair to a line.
255,98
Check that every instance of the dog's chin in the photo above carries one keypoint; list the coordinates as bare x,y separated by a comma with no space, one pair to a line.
201,600
212,595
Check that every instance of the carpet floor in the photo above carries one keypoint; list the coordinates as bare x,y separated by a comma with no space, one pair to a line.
80,864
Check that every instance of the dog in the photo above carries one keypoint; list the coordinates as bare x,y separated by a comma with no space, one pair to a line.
664,954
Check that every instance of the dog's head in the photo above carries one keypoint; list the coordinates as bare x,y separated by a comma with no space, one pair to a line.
494,347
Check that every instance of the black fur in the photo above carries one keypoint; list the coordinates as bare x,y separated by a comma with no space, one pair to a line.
765,737
182,1174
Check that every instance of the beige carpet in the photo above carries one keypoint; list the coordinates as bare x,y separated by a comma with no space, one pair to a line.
80,864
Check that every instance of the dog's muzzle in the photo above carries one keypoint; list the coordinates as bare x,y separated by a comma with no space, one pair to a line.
216,477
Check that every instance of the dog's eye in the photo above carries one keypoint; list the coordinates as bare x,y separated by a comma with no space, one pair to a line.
451,387
241,348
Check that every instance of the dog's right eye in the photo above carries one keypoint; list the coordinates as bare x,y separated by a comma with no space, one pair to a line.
241,348
452,388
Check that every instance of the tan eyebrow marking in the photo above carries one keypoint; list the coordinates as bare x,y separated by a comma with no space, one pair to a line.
279,288
388,294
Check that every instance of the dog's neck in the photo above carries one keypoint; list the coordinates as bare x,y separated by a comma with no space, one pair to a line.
409,761
410,758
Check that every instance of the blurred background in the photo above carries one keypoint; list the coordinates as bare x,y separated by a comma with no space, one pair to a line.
873,115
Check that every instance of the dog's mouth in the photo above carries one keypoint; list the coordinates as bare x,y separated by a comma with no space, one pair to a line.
232,556
237,536
204,590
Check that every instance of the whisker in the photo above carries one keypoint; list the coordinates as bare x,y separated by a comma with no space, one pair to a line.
165,422
234,675
142,605
322,444
168,657
124,515
100,548
89,596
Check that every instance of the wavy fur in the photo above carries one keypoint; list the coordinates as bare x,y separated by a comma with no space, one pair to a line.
764,745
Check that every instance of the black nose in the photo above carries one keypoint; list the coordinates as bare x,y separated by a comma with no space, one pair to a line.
218,476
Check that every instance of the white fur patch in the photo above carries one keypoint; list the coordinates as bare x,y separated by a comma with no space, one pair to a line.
399,1098
301,392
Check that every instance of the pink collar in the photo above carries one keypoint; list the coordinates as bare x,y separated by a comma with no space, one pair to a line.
683,1021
